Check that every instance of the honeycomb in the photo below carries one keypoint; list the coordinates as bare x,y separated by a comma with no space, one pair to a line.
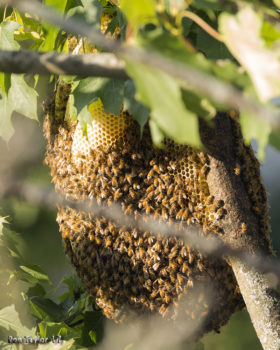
104,130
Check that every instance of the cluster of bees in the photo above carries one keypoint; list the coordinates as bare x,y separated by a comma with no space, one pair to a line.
131,271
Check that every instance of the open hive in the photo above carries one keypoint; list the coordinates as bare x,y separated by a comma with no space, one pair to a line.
129,271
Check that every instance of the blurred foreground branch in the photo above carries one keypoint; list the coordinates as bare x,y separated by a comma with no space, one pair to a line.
215,89
32,62
44,196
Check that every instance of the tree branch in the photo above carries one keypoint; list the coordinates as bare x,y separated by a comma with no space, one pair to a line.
31,62
261,300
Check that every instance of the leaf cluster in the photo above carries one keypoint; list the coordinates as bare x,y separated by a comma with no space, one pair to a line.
233,41
43,309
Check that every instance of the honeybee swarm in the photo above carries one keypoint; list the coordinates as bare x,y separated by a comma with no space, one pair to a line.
126,270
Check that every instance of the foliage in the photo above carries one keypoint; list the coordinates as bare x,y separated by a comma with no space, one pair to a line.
71,317
244,53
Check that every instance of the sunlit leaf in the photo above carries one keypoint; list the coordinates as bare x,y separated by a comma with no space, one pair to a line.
242,34
255,128
10,320
162,94
22,97
36,272
7,41
138,11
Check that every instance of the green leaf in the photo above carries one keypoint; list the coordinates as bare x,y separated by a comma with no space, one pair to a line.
138,11
36,272
173,47
23,98
7,41
90,11
9,320
45,308
162,94
91,89
198,105
242,35
269,33
93,327
58,4
48,329
72,4
37,290
6,128
135,108
274,140
156,132
212,48
51,34
207,4
6,346
255,128
5,82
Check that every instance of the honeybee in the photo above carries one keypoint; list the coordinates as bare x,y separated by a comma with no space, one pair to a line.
180,278
191,257
209,200
185,214
149,208
167,299
132,193
136,186
237,169
190,283
114,181
243,228
134,156
163,311
172,264
164,214
141,253
128,178
108,242
129,209
98,240
150,174
117,194
200,266
157,246
170,189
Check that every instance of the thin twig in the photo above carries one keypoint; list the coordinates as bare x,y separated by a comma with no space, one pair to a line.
205,26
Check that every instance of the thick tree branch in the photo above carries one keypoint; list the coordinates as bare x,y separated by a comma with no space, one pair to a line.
215,89
261,300
31,62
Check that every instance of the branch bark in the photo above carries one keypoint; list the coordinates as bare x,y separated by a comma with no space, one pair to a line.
31,62
263,303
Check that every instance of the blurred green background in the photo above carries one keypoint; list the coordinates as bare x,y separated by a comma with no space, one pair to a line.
23,158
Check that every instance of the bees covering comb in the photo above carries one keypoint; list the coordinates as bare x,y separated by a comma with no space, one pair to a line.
127,270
